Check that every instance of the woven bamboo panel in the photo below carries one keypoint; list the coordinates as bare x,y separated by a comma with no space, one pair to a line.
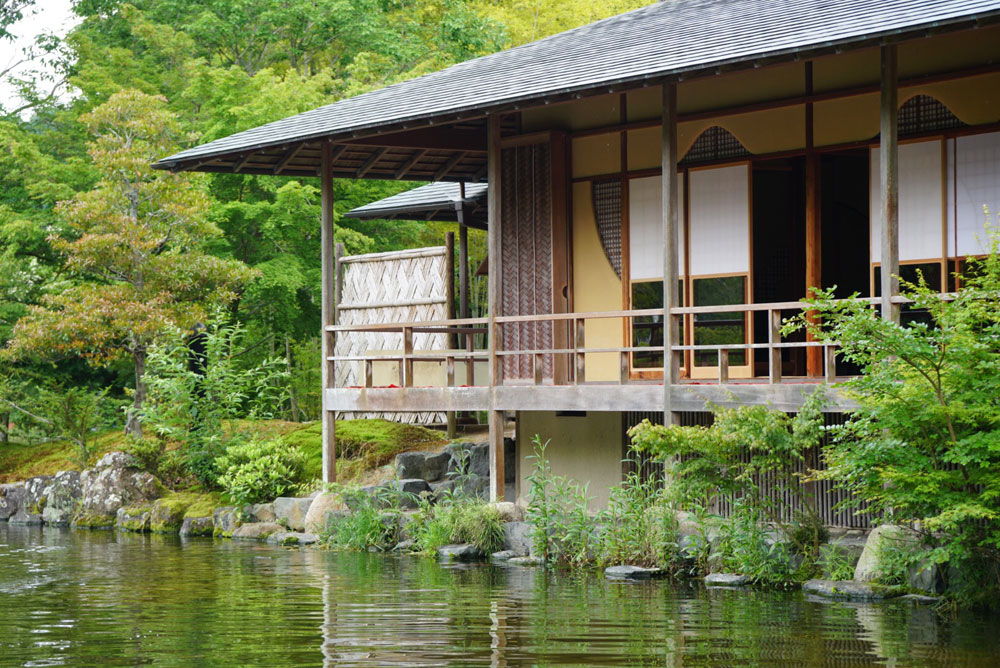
526,250
394,287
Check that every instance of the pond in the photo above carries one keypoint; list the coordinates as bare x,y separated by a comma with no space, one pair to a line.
80,598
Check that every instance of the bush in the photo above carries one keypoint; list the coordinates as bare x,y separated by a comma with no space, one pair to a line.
258,471
459,521
373,521
562,529
640,525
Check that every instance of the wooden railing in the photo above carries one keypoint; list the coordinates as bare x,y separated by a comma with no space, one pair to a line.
573,348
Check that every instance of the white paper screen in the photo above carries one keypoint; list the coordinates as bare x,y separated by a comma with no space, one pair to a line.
720,220
645,220
920,202
977,176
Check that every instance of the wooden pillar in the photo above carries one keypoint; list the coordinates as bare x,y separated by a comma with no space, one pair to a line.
449,271
814,239
671,255
328,308
496,417
889,172
463,258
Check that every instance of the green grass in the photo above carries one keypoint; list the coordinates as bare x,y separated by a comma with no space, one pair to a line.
20,461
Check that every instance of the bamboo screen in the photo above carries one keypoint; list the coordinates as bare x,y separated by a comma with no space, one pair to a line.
394,287
608,212
526,252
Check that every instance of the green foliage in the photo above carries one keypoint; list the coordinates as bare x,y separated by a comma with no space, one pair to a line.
458,520
741,448
373,520
748,548
835,562
563,531
924,444
258,471
639,525
195,398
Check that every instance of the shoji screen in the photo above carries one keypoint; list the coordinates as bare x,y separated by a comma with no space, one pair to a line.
645,215
921,202
973,184
719,220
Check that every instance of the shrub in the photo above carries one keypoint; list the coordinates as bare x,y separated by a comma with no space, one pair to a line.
922,445
258,471
639,525
562,529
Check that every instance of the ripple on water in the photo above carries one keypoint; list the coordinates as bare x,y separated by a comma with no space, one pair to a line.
100,598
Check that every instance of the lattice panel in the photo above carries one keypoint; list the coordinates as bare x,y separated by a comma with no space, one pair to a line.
526,250
380,288
922,113
608,212
715,144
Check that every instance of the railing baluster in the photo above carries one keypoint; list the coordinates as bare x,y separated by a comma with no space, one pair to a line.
538,367
369,372
407,357
579,343
623,368
830,372
724,366
774,336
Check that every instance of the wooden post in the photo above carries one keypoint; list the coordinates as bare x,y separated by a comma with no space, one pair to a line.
773,337
328,308
463,258
496,417
814,239
449,272
671,295
889,172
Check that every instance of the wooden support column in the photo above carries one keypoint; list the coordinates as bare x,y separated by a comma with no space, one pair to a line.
671,254
889,172
814,239
494,304
449,271
328,309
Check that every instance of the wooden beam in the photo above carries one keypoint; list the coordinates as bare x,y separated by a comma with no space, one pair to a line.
463,258
328,307
436,138
242,162
448,166
370,162
889,173
494,305
287,158
408,165
671,242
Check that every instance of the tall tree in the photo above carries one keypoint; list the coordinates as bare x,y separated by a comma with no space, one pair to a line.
138,256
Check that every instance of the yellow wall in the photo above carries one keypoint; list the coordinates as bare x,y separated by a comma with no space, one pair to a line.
585,449
592,112
596,287
597,154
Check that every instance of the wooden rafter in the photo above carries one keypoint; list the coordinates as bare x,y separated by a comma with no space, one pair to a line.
408,165
242,162
448,166
287,158
370,162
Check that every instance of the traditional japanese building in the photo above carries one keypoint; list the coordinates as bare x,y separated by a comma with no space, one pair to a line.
664,186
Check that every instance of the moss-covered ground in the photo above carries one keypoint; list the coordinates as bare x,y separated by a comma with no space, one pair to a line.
362,446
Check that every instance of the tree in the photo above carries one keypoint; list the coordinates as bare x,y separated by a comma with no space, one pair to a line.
138,257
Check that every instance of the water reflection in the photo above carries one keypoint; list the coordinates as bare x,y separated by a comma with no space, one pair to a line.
101,598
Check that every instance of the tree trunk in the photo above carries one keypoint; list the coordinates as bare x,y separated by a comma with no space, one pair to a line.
293,403
133,426
4,427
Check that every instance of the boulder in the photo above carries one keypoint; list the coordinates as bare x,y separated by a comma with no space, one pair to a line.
477,487
167,515
115,481
411,489
197,526
439,490
517,538
888,535
11,497
320,509
36,491
63,498
429,466
260,512
133,519
849,589
257,531
463,552
404,545
476,457
509,512
225,521
291,511
503,555
290,538
627,572
525,561
726,580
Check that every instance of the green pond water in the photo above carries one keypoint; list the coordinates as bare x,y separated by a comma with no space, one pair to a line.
81,598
